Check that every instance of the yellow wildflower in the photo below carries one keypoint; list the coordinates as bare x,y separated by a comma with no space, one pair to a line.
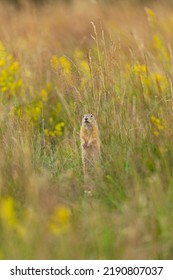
44,95
54,62
158,125
159,45
46,132
156,133
2,63
161,81
14,67
59,128
140,68
65,64
60,220
8,212
151,17
62,124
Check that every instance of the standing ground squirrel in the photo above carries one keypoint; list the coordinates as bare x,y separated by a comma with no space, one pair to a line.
90,144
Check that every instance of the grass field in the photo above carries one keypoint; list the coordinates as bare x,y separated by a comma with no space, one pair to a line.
58,62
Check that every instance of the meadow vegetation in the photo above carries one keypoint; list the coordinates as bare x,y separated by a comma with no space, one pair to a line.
58,62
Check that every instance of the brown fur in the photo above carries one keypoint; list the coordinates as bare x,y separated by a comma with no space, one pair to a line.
90,145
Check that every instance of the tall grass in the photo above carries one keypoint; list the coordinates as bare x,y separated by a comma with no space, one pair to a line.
57,64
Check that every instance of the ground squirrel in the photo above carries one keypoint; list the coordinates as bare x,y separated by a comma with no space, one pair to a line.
90,144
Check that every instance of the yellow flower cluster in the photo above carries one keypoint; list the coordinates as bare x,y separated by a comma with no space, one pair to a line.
10,82
139,72
160,47
150,81
60,220
44,95
83,67
34,111
63,65
161,81
64,62
158,125
8,217
58,223
151,17
54,62
59,128
7,212
140,68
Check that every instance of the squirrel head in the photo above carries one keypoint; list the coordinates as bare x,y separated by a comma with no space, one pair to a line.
88,120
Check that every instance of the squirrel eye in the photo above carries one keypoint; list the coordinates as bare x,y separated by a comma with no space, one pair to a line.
91,116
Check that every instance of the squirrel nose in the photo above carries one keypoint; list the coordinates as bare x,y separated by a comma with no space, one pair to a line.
86,119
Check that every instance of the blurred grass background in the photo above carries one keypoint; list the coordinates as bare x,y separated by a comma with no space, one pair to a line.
59,60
